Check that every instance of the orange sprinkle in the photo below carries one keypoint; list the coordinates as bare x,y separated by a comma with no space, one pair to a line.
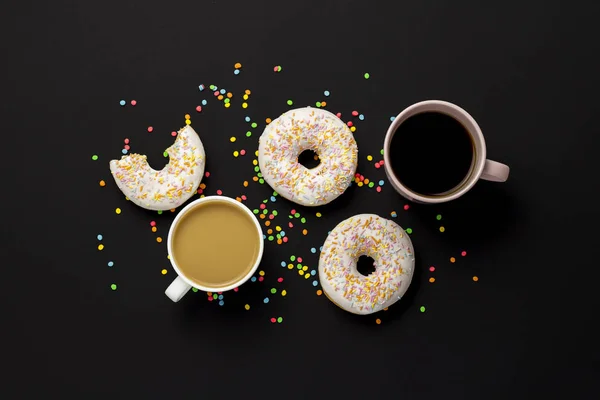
323,103
268,120
153,229
267,223
262,216
378,321
245,183
279,241
237,65
319,292
102,183
475,279
187,116
452,259
220,97
255,178
304,232
172,210
248,92
385,309
159,239
432,279
229,95
366,181
203,186
269,231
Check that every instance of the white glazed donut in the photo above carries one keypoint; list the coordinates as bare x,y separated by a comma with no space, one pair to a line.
376,237
170,187
308,129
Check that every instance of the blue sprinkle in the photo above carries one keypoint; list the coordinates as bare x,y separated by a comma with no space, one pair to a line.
313,272
273,199
283,264
124,151
315,283
313,250
236,72
381,182
247,119
221,302
220,297
266,300
264,236
394,215
99,237
361,117
110,263
213,87
253,279
223,91
282,233
392,118
321,248
201,87
204,102
122,102
326,93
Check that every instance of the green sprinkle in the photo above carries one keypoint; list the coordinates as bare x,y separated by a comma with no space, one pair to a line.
371,184
422,309
226,100
254,125
289,102
165,154
297,215
299,266
408,230
248,134
275,194
275,212
94,157
113,286
255,211
194,290
438,217
367,75
280,319
256,169
259,174
303,220
261,181
215,296
381,151
292,258
271,238
159,212
273,290
278,236
318,104
265,211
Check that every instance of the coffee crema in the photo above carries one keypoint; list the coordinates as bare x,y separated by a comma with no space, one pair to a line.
215,244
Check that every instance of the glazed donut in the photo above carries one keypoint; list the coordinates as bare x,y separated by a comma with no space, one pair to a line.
171,186
376,237
308,129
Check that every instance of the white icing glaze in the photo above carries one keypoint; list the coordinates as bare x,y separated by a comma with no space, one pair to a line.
376,237
170,187
308,129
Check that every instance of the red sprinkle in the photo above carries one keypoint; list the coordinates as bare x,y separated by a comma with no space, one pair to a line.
126,147
349,123
285,239
290,225
152,223
279,280
219,192
299,259
216,93
210,298
133,102
173,133
207,174
199,108
261,278
339,115
406,206
293,211
243,152
150,129
432,268
200,191
273,320
262,206
355,113
377,165
271,216
463,253
378,189
381,162
244,197
236,289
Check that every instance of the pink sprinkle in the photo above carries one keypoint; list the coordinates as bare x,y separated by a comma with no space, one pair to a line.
207,174
219,292
275,68
133,102
150,129
210,298
173,133
126,147
432,268
219,192
463,253
236,289
126,141
216,93
406,206
262,206
271,216
381,162
261,278
285,239
378,189
244,197
377,165
299,259
273,320
349,123
362,177
199,108
339,115
293,211
152,223
243,152
355,113
279,280
290,225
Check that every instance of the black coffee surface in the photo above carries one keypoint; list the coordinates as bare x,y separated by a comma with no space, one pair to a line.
431,153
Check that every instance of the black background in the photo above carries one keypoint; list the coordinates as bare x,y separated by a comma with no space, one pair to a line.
528,73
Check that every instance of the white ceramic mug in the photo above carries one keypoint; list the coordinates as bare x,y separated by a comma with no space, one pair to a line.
480,167
182,284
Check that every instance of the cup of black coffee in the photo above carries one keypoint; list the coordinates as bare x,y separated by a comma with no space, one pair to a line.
435,152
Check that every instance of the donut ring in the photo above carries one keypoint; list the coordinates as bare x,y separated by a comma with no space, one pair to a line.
376,237
170,187
308,129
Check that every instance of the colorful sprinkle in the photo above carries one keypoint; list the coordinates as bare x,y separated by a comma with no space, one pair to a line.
150,129
100,247
279,320
367,75
122,102
378,321
110,263
266,300
442,229
463,253
452,259
99,237
283,292
118,210
432,268
422,309
94,157
164,272
438,217
475,279
290,102
113,286
326,93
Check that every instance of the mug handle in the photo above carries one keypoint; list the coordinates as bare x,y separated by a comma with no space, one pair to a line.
177,289
494,171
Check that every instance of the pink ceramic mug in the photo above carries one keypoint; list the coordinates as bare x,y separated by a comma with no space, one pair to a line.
480,167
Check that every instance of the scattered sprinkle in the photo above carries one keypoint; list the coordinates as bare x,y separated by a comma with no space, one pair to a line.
392,118
279,320
164,272
422,309
277,68
475,279
99,237
113,286
408,230
319,292
290,102
110,263
463,253
283,292
232,139
326,93
442,229
159,239
432,268
247,306
133,102
100,247
431,280
266,300
438,217
118,210
94,157
406,207
452,259
367,75
122,102
378,321
150,129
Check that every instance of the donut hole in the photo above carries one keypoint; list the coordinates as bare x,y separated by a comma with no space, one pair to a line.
365,265
309,159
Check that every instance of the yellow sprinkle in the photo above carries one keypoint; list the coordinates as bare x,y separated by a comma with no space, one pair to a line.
254,162
300,272
118,211
247,306
168,256
359,184
232,139
244,105
319,215
278,228
283,292
100,247
188,122
442,229
236,153
370,158
245,97
164,272
307,275
352,129
290,266
262,273
227,105
159,239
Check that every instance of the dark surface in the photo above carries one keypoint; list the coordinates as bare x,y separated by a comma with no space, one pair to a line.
527,71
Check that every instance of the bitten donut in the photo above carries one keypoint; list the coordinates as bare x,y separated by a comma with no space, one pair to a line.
171,186
308,129
376,237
